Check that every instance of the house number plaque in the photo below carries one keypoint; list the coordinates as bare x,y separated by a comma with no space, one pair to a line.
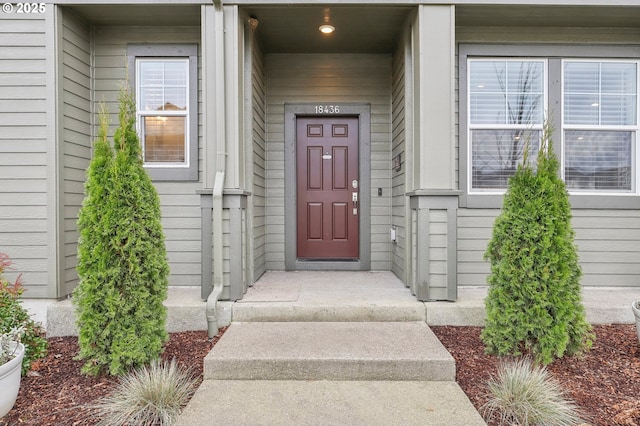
327,109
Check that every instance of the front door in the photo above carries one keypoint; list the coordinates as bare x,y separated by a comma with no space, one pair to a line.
327,188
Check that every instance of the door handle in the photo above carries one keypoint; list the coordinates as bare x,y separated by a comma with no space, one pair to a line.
354,199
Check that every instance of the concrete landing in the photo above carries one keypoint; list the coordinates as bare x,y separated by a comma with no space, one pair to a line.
328,296
318,403
329,351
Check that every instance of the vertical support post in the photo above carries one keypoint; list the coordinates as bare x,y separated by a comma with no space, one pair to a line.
435,89
423,266
206,243
452,248
236,204
423,203
55,152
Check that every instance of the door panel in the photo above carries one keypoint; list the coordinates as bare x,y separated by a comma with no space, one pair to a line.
327,166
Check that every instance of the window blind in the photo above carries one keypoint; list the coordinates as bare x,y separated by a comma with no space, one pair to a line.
162,109
496,155
598,160
600,93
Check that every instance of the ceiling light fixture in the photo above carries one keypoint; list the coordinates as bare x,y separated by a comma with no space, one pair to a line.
326,28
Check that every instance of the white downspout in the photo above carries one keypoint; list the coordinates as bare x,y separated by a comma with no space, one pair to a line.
218,185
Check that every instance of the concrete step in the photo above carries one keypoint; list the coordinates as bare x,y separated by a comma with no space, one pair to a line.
329,312
329,351
354,403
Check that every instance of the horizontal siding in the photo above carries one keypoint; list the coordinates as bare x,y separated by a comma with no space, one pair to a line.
591,35
180,205
23,149
335,79
607,241
398,249
437,254
258,93
77,135
609,246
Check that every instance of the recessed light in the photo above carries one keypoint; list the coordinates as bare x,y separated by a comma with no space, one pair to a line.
327,29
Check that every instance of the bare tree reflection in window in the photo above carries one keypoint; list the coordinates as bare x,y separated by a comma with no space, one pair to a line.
497,152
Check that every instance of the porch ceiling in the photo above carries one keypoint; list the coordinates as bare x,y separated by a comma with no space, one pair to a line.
281,29
359,29
140,14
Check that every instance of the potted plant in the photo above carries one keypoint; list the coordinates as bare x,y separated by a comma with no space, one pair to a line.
15,316
635,307
11,355
21,338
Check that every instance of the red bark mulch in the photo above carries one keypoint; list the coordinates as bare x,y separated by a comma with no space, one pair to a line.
55,393
605,382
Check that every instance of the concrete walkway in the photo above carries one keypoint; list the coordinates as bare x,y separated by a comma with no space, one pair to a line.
329,348
288,373
354,403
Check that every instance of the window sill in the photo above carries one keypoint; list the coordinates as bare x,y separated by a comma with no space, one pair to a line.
578,201
172,174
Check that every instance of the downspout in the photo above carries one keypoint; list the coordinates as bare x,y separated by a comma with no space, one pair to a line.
218,185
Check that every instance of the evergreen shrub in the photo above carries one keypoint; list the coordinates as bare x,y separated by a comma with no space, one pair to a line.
534,304
122,263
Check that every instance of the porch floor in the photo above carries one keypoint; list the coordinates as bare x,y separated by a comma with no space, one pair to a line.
381,296
328,296
335,296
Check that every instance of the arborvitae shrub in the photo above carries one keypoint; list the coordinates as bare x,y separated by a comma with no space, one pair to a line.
122,262
533,305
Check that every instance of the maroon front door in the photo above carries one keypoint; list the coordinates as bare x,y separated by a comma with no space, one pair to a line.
327,187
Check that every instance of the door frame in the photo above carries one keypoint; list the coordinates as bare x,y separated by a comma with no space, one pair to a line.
363,113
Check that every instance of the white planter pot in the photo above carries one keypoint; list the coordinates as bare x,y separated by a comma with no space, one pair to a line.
636,313
10,381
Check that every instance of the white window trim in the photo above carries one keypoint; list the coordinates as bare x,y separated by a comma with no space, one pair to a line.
187,171
635,129
182,113
471,127
553,53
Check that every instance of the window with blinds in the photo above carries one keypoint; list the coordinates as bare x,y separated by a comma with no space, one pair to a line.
506,113
600,124
162,99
